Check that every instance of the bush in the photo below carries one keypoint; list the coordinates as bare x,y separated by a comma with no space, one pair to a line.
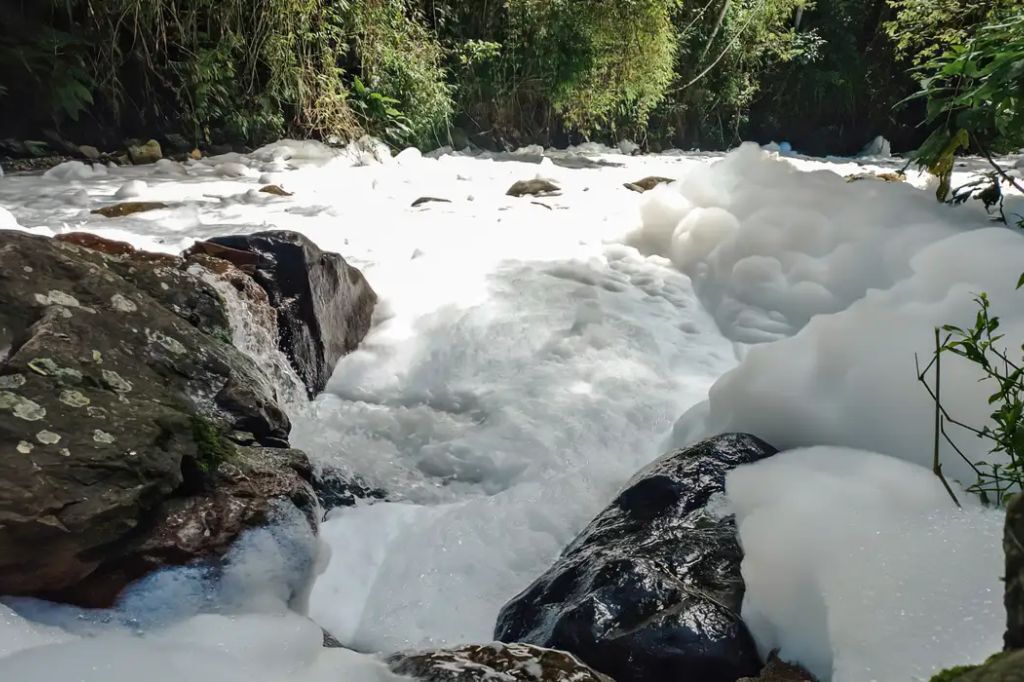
538,70
726,47
401,63
975,92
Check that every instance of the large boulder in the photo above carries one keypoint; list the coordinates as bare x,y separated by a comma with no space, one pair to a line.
651,590
324,305
494,663
132,432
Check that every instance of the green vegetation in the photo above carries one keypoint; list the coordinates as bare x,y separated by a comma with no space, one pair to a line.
975,94
952,674
827,75
1003,476
212,448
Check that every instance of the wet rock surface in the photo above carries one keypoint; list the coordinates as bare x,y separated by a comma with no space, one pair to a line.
493,663
324,305
132,433
651,589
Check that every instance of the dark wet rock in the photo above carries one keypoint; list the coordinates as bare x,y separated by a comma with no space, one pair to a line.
428,200
777,670
493,663
334,489
651,589
122,402
324,305
1013,546
128,208
330,641
25,149
647,184
536,187
147,152
177,143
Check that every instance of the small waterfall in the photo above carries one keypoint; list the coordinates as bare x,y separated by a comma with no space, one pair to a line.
254,332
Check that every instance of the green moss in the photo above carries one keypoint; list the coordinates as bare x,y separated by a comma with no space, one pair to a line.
991,667
952,674
223,335
213,448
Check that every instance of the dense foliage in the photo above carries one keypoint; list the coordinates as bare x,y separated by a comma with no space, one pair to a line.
974,87
828,75
975,95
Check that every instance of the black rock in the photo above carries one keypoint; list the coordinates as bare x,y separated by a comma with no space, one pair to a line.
323,304
334,489
651,590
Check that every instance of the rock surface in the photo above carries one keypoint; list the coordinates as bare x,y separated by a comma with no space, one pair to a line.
777,670
148,152
324,305
494,663
1013,546
132,433
647,184
128,208
651,589
536,188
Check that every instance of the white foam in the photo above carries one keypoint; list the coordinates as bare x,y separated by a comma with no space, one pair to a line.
860,567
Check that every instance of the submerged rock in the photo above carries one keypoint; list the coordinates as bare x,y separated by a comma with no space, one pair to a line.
132,433
537,188
128,208
651,589
427,200
324,305
647,184
777,670
334,489
494,663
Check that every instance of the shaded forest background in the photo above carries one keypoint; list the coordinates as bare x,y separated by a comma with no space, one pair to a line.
825,75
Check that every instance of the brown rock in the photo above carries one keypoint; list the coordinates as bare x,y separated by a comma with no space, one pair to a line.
237,257
535,188
149,152
94,242
128,208
647,184
276,190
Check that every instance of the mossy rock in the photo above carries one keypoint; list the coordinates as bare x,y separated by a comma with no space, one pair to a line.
119,399
1004,667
